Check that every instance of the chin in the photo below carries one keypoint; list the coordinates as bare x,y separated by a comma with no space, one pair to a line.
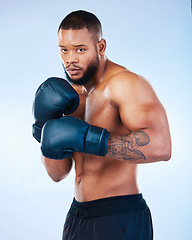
75,77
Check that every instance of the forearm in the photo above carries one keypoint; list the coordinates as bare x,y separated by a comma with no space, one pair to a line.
57,169
141,146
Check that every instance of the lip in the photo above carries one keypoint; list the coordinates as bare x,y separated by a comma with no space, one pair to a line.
73,71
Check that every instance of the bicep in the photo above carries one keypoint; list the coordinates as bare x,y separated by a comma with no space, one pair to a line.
138,105
142,116
145,119
145,112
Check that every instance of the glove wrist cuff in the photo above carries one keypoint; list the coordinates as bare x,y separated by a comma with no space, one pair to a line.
37,128
96,141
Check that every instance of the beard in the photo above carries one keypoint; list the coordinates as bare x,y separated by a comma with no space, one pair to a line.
88,74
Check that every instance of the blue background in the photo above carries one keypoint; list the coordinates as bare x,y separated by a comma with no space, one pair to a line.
152,38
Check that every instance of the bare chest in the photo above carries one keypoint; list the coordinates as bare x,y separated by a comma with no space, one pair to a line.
98,111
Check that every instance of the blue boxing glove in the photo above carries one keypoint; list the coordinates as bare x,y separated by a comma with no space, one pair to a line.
61,137
53,98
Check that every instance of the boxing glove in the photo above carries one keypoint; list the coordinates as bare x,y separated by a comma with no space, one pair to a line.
61,137
53,98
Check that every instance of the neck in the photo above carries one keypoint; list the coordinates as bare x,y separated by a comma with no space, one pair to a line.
97,78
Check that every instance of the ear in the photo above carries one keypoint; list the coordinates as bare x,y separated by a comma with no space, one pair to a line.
102,46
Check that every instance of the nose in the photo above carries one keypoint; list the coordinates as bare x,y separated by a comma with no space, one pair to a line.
71,58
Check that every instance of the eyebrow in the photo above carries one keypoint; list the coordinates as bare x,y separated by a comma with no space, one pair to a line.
75,45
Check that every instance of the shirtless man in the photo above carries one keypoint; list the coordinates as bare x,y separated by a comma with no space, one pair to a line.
107,123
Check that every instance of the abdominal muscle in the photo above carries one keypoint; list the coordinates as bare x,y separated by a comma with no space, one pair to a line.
101,177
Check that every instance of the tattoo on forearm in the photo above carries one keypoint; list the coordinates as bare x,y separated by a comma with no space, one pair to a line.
125,147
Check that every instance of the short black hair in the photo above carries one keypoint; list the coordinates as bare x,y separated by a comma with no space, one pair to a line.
82,19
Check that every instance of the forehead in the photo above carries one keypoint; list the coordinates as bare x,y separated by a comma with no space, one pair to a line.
71,37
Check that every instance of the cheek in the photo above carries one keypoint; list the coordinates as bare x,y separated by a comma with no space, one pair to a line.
85,62
89,58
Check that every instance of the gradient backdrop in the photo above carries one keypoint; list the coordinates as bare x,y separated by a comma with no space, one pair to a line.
152,38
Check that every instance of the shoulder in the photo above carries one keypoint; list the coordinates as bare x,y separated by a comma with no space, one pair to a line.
119,76
125,79
126,86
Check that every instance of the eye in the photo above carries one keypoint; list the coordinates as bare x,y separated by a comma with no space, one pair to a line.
81,50
63,50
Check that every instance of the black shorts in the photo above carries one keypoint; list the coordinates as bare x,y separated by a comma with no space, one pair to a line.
115,218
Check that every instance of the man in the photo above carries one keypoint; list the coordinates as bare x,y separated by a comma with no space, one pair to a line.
106,122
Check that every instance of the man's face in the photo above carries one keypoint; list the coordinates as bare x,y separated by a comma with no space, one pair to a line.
79,55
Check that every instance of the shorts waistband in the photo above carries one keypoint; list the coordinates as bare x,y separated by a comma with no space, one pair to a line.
108,206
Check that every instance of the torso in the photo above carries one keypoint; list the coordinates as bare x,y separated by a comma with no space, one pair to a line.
99,177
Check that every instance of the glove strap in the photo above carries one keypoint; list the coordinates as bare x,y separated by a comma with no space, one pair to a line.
37,127
96,141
